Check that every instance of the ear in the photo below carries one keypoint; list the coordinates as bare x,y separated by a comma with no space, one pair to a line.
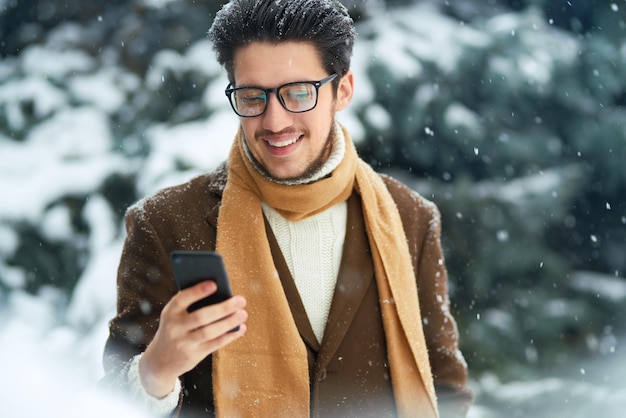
345,91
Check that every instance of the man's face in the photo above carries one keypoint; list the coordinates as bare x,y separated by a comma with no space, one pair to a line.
289,145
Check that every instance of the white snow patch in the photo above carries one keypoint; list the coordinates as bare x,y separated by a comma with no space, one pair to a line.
602,285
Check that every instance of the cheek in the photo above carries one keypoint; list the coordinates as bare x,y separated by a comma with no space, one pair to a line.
320,128
249,128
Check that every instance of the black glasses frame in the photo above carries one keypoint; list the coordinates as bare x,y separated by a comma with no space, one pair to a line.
317,84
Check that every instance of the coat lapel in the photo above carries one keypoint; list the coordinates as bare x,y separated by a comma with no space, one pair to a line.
291,291
355,275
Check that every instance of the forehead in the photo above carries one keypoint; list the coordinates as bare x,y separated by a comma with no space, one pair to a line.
271,64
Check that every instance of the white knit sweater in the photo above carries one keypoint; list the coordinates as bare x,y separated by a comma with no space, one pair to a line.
312,249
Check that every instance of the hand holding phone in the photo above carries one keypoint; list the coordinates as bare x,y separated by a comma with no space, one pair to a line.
193,267
174,350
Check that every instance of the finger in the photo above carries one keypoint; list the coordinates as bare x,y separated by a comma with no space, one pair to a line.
218,328
216,312
183,299
223,340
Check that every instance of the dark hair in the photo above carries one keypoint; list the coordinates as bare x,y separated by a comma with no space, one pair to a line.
324,23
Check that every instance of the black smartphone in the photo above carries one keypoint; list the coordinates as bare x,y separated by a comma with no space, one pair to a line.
193,267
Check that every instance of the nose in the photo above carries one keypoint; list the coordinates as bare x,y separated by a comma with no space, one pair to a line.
276,117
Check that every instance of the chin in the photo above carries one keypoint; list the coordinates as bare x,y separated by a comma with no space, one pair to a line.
286,176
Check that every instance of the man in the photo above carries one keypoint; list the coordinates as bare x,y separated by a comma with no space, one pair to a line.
338,274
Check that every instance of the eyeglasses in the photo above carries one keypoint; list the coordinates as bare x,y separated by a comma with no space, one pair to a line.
296,97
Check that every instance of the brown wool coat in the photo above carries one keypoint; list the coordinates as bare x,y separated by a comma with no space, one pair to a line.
348,371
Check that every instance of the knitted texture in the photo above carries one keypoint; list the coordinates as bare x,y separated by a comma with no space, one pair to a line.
312,249
158,407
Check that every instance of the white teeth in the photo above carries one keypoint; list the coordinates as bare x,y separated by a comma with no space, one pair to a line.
280,144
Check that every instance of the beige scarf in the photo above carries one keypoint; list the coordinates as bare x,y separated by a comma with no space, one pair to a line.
265,373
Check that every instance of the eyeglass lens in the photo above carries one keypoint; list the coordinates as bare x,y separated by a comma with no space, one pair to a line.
296,97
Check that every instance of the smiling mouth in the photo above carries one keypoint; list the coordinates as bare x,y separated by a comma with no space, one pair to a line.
285,143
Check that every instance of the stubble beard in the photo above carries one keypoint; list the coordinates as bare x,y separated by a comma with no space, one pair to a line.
313,167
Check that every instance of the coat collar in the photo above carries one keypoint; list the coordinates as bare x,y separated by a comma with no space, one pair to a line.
215,187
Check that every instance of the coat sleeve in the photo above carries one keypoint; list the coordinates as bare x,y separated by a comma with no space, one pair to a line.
442,338
144,286
422,225
183,217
